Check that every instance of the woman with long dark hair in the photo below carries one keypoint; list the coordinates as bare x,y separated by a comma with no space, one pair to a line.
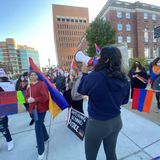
107,88
138,77
38,99
155,80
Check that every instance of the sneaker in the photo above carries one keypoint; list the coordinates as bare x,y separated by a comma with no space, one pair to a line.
31,122
46,141
10,145
157,110
40,157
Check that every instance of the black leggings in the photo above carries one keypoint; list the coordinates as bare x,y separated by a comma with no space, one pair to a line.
158,100
98,131
4,128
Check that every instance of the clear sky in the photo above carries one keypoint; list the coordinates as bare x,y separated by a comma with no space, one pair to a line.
29,22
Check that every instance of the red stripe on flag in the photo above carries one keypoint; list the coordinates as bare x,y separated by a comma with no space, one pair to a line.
136,94
8,97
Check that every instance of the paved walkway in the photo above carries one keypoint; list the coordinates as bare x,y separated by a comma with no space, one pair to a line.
139,139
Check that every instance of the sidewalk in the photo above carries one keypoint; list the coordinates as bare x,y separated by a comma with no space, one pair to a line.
139,139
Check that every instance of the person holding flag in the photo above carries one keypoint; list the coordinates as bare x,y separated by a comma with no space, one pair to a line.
98,50
38,98
138,77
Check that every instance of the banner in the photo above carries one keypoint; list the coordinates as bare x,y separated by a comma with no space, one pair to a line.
8,103
77,123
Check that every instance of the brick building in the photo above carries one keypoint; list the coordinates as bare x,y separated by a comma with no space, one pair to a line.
69,25
134,24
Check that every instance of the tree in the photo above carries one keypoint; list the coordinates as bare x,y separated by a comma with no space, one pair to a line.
101,33
142,60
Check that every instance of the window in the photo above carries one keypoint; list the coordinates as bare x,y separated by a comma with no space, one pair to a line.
145,15
119,14
120,39
76,20
72,20
84,21
68,19
128,27
154,17
155,52
119,27
128,39
58,19
130,52
80,20
146,36
63,19
155,40
128,16
147,52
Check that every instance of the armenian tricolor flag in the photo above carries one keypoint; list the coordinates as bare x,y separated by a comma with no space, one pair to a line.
98,50
8,103
142,79
57,102
142,99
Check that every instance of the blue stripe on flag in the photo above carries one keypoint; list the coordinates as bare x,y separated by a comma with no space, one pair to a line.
142,96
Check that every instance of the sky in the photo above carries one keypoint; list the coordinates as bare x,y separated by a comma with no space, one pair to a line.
29,22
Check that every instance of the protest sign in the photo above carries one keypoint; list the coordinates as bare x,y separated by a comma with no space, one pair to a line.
8,103
77,123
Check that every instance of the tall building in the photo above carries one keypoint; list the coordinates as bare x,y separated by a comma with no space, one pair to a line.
14,57
24,53
69,25
134,24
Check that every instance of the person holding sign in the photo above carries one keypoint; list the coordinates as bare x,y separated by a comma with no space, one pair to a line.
38,98
107,88
4,129
21,84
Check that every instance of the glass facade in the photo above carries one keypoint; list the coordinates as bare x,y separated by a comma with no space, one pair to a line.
1,55
24,56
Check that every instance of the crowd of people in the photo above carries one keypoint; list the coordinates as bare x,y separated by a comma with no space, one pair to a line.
107,87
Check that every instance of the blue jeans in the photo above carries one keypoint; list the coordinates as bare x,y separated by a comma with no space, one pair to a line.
41,132
4,128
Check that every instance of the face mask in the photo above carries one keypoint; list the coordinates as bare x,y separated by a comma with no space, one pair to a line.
66,74
22,78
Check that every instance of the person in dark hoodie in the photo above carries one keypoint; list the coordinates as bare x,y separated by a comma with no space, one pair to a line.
4,122
107,88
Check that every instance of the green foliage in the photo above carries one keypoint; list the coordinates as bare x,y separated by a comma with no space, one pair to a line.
101,33
142,60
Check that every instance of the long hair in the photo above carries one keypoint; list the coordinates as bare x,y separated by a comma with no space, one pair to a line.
154,62
110,61
135,65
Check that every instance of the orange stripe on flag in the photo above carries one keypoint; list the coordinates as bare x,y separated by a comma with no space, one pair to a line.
53,107
148,101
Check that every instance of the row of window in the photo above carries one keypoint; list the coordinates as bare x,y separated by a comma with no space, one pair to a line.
120,39
128,15
73,33
147,52
146,38
69,39
120,27
67,26
68,45
71,19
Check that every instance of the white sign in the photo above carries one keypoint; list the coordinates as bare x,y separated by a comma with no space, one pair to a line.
7,86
